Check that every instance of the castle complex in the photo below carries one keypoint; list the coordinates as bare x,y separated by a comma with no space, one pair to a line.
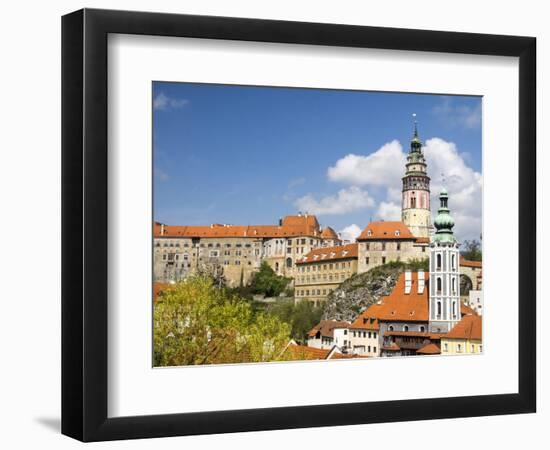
315,257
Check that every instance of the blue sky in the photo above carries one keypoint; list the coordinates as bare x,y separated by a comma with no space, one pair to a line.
249,155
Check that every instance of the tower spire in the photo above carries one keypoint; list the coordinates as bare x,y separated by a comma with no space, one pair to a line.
416,144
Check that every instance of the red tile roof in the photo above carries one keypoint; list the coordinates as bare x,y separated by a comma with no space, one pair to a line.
329,233
386,230
468,328
301,225
399,306
327,327
295,351
348,251
430,349
158,289
368,319
467,263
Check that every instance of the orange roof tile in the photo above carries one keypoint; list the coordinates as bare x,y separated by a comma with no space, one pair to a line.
329,233
158,289
468,328
392,348
467,263
348,251
430,349
367,320
304,352
326,327
467,310
385,230
301,225
399,306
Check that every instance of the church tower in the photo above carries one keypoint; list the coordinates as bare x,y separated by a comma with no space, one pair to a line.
444,307
415,208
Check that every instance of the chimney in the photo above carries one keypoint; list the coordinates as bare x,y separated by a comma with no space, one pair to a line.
162,229
408,281
421,282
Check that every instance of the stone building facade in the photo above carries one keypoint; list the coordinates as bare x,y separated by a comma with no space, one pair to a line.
322,270
382,242
233,251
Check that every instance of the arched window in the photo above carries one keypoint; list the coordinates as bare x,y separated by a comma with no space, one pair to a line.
390,328
453,262
413,202
438,261
422,329
453,283
454,309
289,262
438,285
406,328
276,267
438,309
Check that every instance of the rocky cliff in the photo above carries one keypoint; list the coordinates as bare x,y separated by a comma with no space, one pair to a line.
360,291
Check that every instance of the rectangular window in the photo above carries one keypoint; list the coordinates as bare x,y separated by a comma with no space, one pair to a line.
367,260
399,246
383,260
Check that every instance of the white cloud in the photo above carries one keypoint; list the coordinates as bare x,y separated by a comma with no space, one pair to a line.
296,182
346,201
380,168
458,115
350,233
447,166
162,102
389,211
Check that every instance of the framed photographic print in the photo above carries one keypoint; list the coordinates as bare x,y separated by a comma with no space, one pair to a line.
273,224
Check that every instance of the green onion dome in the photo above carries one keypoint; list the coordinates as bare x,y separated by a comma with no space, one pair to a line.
444,223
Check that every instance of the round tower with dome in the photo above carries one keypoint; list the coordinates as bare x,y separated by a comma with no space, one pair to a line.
415,208
444,306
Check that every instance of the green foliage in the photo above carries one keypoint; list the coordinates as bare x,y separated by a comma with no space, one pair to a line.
472,250
301,316
413,264
267,282
195,322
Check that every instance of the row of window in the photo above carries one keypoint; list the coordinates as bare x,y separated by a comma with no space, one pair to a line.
459,348
384,245
316,292
325,266
370,334
318,278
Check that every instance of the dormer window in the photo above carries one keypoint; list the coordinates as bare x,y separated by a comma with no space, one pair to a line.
397,232
369,233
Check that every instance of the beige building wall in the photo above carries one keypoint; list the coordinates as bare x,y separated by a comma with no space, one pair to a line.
364,342
374,253
460,346
314,281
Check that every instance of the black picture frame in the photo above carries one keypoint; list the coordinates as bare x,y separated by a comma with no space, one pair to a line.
84,224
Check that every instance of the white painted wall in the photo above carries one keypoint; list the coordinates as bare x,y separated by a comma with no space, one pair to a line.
30,186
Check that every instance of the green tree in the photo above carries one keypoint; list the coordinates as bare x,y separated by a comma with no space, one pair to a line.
267,282
472,250
301,316
197,323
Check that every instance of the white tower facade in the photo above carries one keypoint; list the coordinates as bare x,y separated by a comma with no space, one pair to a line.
444,307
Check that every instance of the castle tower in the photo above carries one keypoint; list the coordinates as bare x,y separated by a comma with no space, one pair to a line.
415,208
444,307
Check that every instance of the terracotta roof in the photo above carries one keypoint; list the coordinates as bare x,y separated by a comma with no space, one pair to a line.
468,328
326,327
430,349
158,289
296,351
368,319
392,348
329,233
348,251
467,310
399,306
385,230
467,263
301,225
422,240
